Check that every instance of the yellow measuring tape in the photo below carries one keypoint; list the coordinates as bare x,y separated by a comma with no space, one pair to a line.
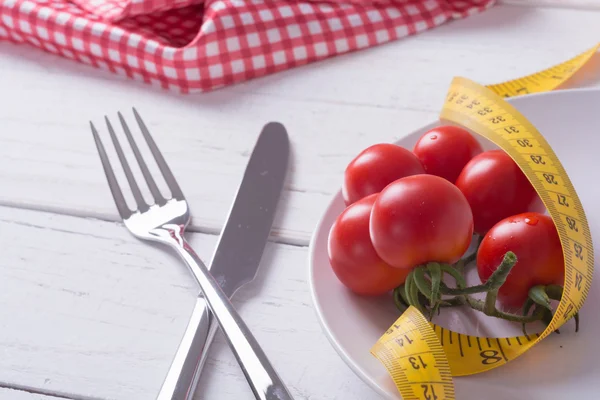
422,357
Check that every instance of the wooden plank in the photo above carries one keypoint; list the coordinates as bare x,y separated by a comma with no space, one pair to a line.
87,310
332,109
16,394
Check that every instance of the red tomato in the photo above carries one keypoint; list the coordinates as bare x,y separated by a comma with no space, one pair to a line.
534,240
376,167
418,219
445,150
496,188
352,256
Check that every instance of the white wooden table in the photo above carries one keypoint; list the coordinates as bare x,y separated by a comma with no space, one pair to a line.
89,312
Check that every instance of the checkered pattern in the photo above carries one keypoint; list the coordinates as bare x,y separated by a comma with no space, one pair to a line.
194,46
115,10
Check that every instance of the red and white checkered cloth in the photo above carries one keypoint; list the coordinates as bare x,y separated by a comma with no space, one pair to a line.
199,45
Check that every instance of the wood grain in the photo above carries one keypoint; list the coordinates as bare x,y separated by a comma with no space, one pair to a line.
88,311
332,109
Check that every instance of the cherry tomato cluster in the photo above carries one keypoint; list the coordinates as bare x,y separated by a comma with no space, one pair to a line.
411,216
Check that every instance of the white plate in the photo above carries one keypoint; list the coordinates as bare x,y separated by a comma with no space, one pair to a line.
561,366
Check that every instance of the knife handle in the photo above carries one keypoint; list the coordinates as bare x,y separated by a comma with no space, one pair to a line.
184,372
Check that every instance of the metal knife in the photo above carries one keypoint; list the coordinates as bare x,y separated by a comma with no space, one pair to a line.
237,256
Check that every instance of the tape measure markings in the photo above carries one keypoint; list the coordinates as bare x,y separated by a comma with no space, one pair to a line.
429,368
546,80
553,175
454,354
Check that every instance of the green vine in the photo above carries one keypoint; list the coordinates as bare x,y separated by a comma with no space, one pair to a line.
425,289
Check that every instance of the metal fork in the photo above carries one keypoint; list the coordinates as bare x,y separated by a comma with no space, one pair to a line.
165,222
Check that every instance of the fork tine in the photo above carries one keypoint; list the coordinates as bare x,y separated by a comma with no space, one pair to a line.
137,195
158,198
120,202
176,192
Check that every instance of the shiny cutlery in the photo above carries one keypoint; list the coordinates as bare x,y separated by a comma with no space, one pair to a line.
237,256
165,222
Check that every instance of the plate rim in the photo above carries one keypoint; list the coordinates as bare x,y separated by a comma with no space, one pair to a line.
319,226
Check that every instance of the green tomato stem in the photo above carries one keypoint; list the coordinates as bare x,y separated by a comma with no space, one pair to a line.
459,266
554,292
489,305
427,281
547,318
435,272
494,282
399,301
412,291
526,307
453,302
480,305
460,280
538,295
422,283
402,292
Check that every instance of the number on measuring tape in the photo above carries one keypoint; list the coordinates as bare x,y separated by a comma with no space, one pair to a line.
429,392
578,280
524,143
490,357
400,340
551,179
578,250
562,199
572,224
423,358
417,362
537,159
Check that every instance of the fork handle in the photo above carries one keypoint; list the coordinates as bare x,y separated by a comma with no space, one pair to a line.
260,374
192,353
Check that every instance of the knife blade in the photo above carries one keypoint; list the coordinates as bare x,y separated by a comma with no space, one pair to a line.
237,256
